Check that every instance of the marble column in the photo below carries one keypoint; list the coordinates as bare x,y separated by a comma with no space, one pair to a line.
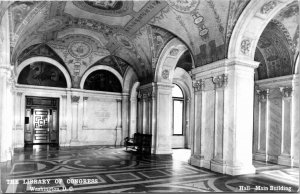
133,116
74,133
263,127
145,114
125,116
285,157
140,113
163,133
19,110
187,134
217,162
119,123
153,120
197,154
84,116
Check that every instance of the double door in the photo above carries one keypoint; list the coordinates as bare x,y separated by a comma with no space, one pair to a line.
41,125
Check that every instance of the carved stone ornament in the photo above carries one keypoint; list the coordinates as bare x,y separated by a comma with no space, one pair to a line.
267,7
75,99
263,94
199,85
286,92
245,46
220,81
165,74
174,52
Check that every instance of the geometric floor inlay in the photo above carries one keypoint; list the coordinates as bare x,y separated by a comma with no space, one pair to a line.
105,169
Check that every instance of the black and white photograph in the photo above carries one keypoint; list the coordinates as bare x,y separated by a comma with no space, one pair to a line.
149,96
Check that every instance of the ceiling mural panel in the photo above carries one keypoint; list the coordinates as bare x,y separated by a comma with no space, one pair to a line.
109,8
115,62
93,13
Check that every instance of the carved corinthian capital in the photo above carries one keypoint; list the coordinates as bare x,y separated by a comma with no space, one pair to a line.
286,92
220,81
263,94
198,85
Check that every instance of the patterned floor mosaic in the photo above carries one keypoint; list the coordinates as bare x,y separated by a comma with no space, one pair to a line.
110,169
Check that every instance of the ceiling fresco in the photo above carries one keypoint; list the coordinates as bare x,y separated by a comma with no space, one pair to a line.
84,32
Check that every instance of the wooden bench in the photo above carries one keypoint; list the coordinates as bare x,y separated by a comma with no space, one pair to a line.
140,142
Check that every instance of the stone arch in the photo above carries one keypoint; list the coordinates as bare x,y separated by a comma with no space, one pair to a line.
168,59
48,60
250,26
130,78
100,67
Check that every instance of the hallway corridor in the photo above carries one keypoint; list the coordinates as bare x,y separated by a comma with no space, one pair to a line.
110,169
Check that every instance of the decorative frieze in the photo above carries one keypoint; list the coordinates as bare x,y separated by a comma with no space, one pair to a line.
199,85
286,92
263,94
267,7
220,81
75,99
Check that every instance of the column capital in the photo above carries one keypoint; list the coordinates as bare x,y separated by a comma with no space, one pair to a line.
199,85
64,96
286,92
75,99
263,94
220,81
19,93
85,98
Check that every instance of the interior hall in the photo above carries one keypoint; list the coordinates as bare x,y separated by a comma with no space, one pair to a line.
149,96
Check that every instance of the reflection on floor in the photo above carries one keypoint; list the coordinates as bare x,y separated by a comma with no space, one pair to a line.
110,169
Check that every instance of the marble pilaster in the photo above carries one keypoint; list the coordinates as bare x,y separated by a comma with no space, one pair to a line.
285,157
262,148
75,113
217,162
198,136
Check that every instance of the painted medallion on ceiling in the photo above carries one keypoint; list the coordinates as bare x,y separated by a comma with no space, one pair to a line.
109,8
184,6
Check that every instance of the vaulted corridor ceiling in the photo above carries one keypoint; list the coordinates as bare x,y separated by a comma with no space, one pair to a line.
80,33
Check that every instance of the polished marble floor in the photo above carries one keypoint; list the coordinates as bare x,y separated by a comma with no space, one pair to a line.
104,169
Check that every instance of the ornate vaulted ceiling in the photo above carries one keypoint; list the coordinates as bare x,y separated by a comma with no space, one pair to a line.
278,45
81,33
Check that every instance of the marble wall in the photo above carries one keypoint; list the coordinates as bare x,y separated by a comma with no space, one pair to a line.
275,127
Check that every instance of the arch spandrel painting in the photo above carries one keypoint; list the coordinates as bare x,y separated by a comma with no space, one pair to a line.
102,80
42,74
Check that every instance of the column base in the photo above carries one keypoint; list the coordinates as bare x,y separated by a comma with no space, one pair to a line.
198,160
239,170
218,166
74,142
285,159
260,156
161,151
